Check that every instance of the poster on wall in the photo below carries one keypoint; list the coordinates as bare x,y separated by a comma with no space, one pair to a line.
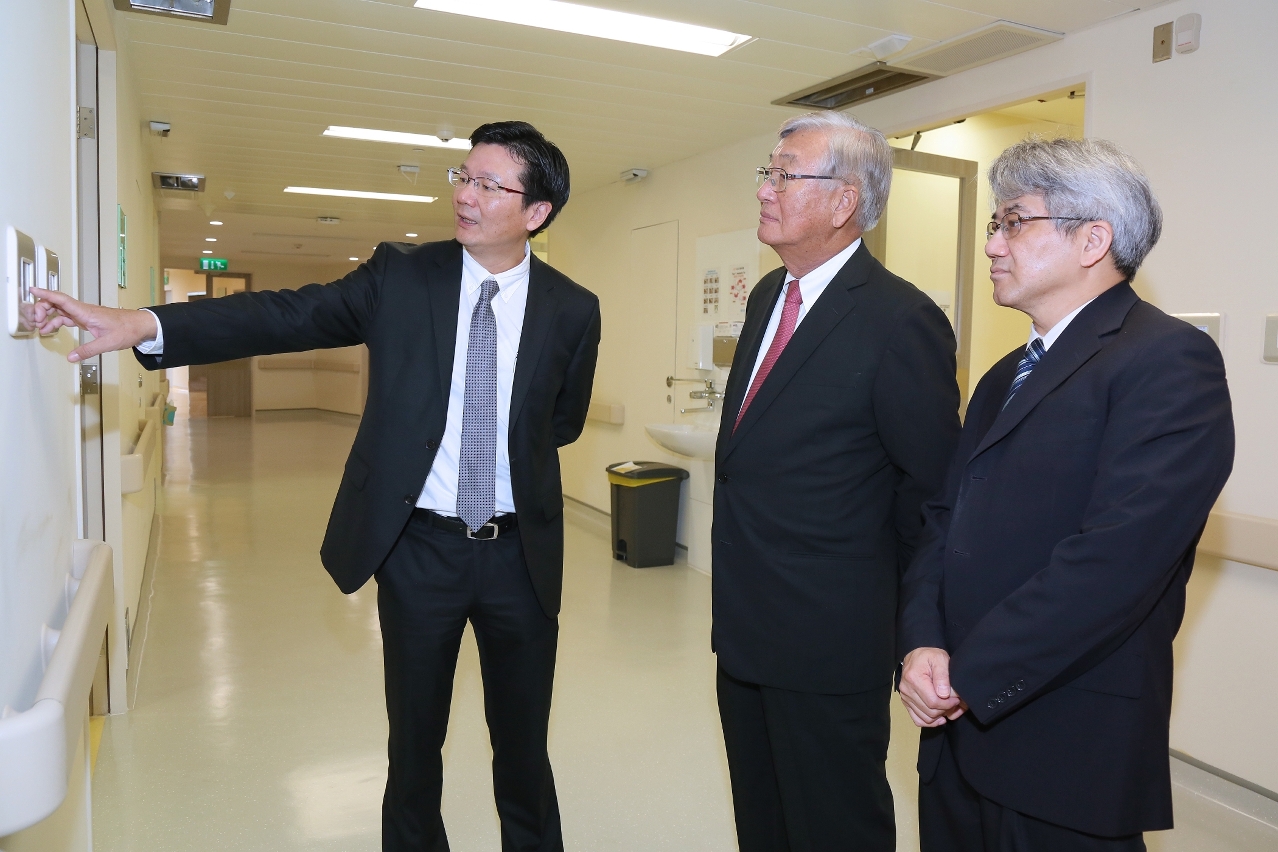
710,292
728,267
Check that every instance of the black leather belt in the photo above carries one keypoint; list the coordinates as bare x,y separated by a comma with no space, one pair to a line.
497,526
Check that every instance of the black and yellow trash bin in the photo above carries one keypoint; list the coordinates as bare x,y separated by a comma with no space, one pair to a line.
645,511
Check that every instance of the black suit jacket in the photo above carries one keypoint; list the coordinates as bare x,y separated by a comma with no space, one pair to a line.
1054,565
403,304
818,492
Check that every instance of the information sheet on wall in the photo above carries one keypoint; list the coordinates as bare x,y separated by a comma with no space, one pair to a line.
727,269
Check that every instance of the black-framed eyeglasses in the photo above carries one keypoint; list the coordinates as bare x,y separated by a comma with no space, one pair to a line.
1010,224
777,178
459,178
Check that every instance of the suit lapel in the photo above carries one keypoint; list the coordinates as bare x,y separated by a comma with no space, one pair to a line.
747,353
827,312
1074,348
539,317
444,286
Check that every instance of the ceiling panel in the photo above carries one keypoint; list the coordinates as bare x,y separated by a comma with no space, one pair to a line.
248,101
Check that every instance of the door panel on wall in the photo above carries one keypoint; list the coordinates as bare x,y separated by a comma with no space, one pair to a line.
89,284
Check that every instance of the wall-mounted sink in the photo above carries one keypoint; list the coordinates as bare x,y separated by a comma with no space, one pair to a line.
684,439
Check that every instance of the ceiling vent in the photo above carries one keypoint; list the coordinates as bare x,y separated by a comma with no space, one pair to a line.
208,11
186,183
979,47
864,84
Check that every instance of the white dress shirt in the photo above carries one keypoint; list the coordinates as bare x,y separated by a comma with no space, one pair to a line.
811,286
1056,330
440,491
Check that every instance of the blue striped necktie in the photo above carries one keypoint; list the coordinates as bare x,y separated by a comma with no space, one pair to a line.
1033,354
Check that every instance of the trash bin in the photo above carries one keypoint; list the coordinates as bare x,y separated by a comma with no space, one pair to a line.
645,512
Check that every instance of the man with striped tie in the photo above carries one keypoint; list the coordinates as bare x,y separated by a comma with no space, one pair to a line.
1040,609
839,420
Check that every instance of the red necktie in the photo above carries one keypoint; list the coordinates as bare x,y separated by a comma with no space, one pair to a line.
785,330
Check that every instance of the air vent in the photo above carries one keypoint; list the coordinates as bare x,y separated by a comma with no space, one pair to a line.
979,47
185,183
208,11
864,84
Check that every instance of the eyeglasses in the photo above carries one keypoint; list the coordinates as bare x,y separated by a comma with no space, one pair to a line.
776,178
488,186
1010,224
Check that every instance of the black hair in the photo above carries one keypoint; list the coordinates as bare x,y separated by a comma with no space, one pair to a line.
545,174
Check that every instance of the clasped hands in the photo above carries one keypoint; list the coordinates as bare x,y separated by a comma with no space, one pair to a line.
925,688
112,328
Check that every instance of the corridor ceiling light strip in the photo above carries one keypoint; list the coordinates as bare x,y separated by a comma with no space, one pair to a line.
396,137
354,193
592,21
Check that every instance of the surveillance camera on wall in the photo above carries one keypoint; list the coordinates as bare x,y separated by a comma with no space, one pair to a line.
445,135
633,175
160,128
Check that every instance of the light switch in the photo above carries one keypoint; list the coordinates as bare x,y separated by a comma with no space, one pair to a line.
1271,339
1213,325
46,270
20,277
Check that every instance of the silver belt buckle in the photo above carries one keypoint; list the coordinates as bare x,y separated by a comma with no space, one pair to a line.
474,535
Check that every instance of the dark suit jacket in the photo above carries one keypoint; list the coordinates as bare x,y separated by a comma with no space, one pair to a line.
1054,565
818,492
403,303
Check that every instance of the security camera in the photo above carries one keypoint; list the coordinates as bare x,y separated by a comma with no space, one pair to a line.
160,128
445,136
633,175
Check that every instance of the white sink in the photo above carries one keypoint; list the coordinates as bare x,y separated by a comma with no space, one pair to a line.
684,439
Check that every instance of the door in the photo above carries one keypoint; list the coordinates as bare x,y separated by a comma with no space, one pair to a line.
92,518
928,236
228,385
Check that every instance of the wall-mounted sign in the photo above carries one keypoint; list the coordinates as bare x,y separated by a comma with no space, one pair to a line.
123,253
212,264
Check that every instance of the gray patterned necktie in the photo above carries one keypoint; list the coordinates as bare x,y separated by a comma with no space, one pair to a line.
1033,354
476,475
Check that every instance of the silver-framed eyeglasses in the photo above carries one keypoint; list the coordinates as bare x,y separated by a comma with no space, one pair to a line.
777,178
1011,223
488,186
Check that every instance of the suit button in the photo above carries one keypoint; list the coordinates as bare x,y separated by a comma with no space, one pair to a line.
432,444
723,477
1020,685
409,499
990,704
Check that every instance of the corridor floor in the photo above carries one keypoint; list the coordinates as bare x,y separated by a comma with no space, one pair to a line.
258,724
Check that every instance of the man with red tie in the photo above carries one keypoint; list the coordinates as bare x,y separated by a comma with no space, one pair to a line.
840,418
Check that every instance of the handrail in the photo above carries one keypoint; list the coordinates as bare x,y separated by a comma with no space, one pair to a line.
37,747
133,466
1242,538
305,362
607,412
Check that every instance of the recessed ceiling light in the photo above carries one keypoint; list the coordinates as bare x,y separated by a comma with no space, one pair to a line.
354,258
353,193
410,235
592,21
210,239
370,135
207,251
215,222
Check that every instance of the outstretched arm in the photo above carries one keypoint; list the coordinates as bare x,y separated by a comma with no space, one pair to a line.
112,328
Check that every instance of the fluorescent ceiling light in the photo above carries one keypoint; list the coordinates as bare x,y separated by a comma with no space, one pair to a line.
210,239
410,235
207,251
354,258
354,193
592,21
215,222
419,139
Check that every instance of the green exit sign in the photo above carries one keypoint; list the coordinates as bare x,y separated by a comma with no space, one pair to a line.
212,264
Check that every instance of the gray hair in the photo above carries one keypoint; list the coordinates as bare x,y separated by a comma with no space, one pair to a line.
1092,180
856,153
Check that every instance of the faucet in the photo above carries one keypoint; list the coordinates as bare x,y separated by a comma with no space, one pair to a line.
710,395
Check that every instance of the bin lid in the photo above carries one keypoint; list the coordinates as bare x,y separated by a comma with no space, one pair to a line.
646,470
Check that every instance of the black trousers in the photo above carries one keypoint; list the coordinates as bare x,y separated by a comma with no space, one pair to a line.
954,817
433,582
808,771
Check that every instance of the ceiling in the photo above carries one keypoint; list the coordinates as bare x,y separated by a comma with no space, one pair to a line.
248,101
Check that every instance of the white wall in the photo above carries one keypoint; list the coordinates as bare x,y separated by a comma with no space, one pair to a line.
38,442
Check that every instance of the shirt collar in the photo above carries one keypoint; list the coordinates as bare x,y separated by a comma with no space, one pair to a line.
817,279
474,275
1056,330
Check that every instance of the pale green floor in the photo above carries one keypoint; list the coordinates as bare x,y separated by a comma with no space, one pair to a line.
258,721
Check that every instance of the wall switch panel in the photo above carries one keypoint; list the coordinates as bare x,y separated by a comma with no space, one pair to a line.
47,270
19,278
1213,325
1163,36
1271,339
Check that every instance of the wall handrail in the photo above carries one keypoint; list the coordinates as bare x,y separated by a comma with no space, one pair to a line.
133,467
1249,539
37,746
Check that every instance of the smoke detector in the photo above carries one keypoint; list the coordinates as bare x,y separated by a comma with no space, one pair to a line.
633,175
